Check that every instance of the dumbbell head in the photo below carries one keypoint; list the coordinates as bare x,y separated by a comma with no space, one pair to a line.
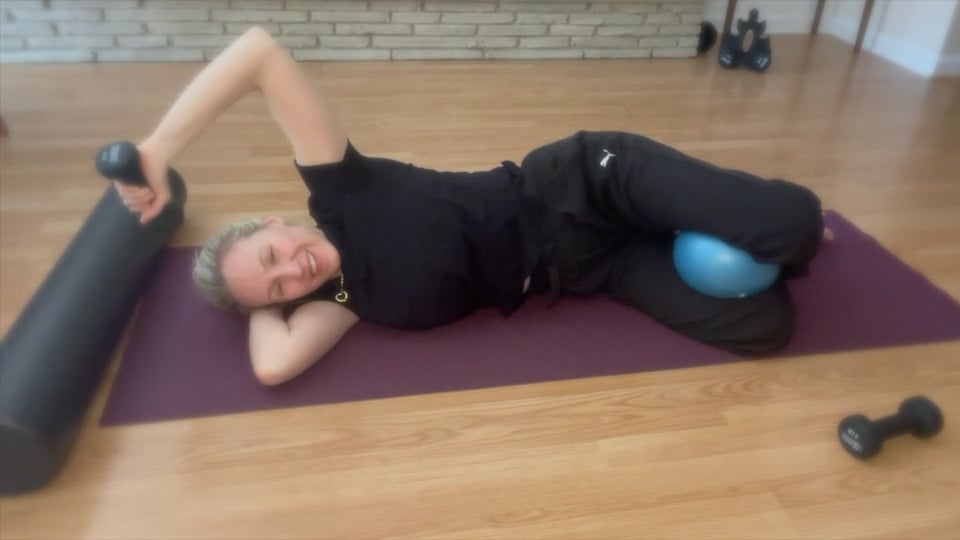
120,160
858,436
927,420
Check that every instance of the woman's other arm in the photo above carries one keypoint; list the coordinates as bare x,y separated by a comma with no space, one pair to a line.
282,349
253,62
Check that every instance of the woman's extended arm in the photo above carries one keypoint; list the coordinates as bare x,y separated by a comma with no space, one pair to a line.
254,61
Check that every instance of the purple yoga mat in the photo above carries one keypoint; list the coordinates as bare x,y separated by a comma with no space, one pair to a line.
185,359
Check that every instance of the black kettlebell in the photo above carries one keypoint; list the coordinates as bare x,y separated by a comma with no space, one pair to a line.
758,56
708,37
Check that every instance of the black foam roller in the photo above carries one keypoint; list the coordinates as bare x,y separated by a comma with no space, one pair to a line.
54,356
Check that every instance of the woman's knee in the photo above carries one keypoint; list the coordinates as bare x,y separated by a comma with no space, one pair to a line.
766,329
801,219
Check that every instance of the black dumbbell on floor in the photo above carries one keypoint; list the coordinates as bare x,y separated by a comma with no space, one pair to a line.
863,438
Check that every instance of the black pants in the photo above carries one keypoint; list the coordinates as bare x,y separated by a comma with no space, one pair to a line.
611,203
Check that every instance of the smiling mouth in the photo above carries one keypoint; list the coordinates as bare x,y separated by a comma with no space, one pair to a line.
313,264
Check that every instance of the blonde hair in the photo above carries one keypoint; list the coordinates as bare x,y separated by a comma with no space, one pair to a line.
207,271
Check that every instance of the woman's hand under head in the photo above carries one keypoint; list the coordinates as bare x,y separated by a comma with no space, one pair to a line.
279,263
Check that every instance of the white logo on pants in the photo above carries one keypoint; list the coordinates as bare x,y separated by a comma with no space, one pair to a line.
606,158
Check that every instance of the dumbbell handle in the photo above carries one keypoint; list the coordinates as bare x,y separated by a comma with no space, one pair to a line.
893,425
121,161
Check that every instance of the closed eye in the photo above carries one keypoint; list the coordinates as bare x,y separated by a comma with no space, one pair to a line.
276,289
279,287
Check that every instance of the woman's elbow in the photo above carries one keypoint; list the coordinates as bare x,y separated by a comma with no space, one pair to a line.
273,369
270,376
259,33
260,40
269,369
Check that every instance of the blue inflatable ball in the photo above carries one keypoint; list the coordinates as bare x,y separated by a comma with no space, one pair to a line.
718,269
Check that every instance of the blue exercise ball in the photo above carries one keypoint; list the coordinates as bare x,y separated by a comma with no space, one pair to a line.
718,269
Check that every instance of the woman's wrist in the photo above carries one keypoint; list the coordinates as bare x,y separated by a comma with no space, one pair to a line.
157,148
268,321
271,314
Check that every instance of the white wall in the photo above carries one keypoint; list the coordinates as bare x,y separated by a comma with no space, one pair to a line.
910,33
950,57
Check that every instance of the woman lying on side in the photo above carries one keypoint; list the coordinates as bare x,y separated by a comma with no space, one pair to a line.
414,248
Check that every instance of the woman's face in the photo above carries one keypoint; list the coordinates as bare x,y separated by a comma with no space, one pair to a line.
279,263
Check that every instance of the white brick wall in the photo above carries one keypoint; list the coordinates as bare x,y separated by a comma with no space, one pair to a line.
327,30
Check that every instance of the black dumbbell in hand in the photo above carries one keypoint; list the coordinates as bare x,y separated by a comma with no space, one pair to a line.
863,438
121,161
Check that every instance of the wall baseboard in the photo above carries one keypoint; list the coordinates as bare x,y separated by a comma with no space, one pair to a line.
918,60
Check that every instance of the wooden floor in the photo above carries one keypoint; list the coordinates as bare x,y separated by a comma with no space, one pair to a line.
745,450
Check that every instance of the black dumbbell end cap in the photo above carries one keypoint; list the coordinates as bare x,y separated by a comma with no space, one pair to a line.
927,418
116,151
857,437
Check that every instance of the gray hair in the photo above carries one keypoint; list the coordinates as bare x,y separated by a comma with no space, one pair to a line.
207,272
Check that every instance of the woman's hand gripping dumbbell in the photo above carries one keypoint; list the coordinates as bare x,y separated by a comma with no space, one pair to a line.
139,175
864,438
